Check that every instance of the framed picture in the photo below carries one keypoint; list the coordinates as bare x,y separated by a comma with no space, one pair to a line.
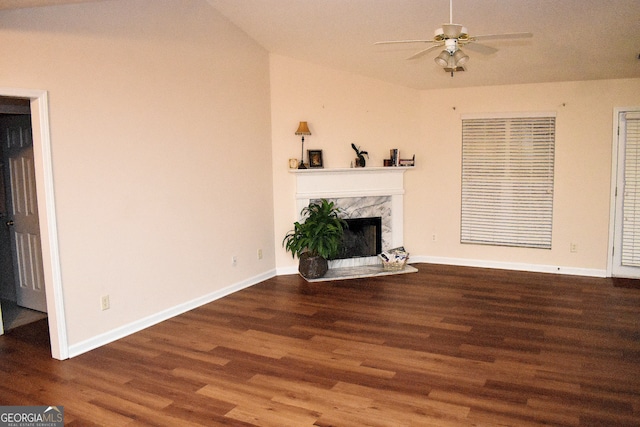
315,158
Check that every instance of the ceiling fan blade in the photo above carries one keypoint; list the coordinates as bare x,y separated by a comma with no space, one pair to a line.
503,36
480,48
403,41
422,52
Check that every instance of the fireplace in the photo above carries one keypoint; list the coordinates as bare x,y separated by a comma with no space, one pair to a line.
359,193
362,238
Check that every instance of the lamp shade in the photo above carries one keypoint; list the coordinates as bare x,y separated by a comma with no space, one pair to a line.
460,58
442,59
303,129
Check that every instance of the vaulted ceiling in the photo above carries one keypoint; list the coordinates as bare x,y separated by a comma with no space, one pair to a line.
572,39
21,4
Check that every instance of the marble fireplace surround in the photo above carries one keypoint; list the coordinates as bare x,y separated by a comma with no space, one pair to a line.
359,192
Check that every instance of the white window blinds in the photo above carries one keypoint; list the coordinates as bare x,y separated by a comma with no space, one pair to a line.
631,200
507,181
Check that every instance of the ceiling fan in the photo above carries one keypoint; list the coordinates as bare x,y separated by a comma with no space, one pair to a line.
451,36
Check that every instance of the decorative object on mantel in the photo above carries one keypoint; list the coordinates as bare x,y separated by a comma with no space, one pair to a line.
293,163
394,153
360,161
315,158
407,162
303,129
394,259
395,159
316,239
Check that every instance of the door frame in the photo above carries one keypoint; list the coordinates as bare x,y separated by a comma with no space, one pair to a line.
39,101
615,165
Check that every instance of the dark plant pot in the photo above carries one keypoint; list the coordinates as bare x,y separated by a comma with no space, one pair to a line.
312,267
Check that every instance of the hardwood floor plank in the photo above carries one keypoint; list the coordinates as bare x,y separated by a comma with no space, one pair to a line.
142,398
143,415
309,396
268,413
447,346
436,409
502,408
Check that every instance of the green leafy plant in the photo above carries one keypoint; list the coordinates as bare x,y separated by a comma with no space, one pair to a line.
320,234
360,154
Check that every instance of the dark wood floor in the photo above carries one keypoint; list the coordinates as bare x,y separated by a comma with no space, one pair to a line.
446,346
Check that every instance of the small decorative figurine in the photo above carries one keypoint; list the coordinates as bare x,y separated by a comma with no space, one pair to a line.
360,161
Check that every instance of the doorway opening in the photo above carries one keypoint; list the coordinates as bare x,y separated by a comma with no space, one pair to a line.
624,243
22,294
52,276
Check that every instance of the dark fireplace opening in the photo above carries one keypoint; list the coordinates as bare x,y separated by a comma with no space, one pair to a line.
362,238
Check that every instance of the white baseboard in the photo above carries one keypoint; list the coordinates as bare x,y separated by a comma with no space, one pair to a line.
590,272
123,331
463,262
282,271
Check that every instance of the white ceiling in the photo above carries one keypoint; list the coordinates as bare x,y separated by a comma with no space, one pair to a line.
572,39
22,4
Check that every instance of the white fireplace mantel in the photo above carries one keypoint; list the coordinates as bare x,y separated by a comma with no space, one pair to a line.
355,182
349,182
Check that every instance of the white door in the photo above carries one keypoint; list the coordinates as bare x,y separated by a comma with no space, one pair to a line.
626,245
17,142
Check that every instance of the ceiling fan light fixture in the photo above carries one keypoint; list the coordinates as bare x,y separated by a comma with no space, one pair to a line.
450,37
460,58
452,66
438,35
451,45
442,59
453,31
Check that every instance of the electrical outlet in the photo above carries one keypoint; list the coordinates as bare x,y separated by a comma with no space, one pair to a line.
104,302
434,237
259,253
234,260
573,247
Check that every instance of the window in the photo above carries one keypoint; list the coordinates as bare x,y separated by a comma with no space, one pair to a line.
507,180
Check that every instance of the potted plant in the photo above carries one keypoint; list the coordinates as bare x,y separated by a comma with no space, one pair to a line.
360,161
317,239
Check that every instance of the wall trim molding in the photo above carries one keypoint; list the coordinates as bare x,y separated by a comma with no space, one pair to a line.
131,328
534,268
138,325
283,271
498,265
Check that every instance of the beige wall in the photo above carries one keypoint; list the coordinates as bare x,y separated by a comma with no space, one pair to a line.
171,132
343,108
582,172
160,136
